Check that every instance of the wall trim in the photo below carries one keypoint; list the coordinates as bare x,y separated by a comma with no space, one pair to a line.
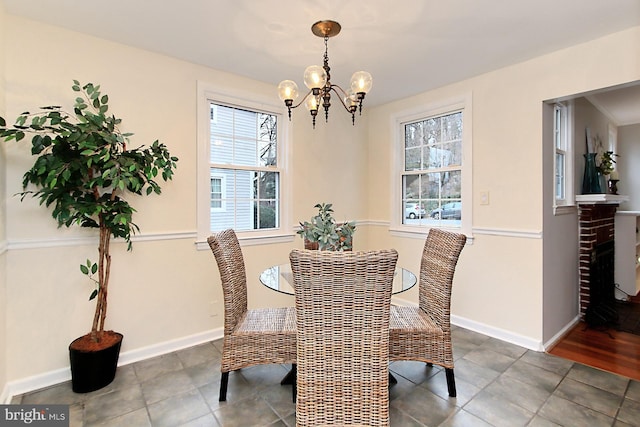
19,244
57,376
501,334
557,337
523,234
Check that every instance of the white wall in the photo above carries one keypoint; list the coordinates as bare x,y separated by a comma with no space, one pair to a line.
627,164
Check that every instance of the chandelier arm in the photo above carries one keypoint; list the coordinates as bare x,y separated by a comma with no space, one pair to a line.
304,98
333,88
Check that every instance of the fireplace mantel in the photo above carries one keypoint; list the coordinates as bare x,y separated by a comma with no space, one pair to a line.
607,199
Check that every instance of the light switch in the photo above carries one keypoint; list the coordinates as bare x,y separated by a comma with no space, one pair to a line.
484,197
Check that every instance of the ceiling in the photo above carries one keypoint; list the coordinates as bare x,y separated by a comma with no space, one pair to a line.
409,46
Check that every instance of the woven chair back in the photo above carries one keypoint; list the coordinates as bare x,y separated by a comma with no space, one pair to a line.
437,267
228,254
342,315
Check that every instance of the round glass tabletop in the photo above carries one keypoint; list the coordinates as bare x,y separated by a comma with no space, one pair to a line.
280,279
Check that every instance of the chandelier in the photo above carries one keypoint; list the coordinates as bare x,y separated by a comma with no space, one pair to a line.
318,80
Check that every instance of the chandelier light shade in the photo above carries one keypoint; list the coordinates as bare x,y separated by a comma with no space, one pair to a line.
318,81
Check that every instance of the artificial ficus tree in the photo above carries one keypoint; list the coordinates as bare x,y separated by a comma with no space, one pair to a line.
83,169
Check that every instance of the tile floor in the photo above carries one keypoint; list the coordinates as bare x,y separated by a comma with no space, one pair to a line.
499,384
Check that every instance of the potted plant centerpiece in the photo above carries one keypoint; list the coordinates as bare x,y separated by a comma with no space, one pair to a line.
324,233
83,169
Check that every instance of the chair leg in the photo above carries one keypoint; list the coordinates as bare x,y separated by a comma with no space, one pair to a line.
224,381
294,383
451,382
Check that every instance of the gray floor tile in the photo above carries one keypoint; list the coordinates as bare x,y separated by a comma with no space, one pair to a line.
570,414
179,409
603,380
490,359
113,404
397,418
414,371
630,412
528,396
534,375
151,368
248,412
503,347
474,374
60,394
538,421
199,354
547,361
166,385
498,411
633,391
589,396
207,420
425,407
463,418
438,386
137,418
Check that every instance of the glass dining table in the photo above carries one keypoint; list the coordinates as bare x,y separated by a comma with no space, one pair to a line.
280,278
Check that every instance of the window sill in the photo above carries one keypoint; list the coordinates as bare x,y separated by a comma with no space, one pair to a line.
564,210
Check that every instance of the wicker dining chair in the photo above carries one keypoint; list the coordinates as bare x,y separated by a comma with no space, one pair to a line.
251,336
342,314
423,333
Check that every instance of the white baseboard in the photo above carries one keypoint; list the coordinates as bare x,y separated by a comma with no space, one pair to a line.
5,398
498,333
562,332
58,376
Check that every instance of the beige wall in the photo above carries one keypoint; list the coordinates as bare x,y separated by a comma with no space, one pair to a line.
3,220
499,284
163,290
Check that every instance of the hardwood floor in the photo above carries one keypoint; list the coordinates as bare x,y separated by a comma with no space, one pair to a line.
609,350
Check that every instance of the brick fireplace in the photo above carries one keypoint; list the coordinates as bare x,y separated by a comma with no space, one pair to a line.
596,254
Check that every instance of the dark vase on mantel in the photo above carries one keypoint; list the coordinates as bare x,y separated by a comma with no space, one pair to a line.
591,179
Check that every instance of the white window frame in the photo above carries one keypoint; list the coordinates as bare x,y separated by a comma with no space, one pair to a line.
208,93
223,195
462,103
564,133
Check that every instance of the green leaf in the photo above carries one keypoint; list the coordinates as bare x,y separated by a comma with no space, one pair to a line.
93,294
84,269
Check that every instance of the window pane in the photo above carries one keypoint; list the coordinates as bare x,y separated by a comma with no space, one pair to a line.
412,159
434,146
244,197
452,127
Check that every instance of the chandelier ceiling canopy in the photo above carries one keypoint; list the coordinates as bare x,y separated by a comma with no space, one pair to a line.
318,81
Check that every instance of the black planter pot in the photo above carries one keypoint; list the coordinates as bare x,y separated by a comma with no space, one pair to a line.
92,370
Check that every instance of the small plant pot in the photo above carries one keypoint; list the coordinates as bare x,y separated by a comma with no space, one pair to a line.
92,369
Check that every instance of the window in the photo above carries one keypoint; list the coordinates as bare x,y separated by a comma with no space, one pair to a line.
431,180
242,160
433,151
217,194
560,143
563,164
